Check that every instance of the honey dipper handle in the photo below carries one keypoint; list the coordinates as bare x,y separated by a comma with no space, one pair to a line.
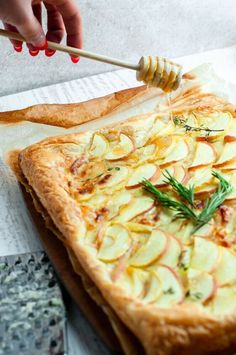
76,52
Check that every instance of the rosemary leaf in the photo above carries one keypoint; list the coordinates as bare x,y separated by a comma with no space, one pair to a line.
186,193
214,201
183,211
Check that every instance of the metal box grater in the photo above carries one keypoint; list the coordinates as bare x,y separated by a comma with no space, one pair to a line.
32,312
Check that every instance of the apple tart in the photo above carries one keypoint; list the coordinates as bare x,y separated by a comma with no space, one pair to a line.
169,275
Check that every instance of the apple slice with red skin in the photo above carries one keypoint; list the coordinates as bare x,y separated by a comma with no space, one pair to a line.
136,207
178,172
120,150
206,255
230,166
145,285
218,122
115,242
146,171
152,289
172,254
231,135
179,152
202,286
227,156
205,191
225,273
164,146
232,195
154,248
98,146
205,154
172,288
224,301
113,177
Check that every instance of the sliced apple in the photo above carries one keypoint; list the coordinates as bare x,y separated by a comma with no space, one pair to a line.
146,171
179,152
138,227
226,271
153,288
146,152
115,242
231,134
202,286
205,189
201,177
136,207
139,278
172,254
185,258
230,166
121,199
206,255
161,180
98,146
113,177
164,145
172,289
183,230
232,195
217,121
178,172
205,154
120,150
205,231
227,156
155,246
90,171
224,301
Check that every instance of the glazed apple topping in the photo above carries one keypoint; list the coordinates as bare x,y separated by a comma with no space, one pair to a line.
174,242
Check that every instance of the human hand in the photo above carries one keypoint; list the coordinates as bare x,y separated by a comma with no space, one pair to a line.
24,16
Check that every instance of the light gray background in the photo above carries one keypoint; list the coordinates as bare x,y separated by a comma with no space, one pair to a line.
126,29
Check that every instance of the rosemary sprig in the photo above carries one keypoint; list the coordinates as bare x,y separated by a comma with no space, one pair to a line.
186,193
183,211
182,122
214,201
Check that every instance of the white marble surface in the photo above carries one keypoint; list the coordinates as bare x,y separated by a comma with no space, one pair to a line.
126,29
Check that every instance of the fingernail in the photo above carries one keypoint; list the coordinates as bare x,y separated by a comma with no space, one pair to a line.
34,52
39,41
74,59
43,46
18,48
49,52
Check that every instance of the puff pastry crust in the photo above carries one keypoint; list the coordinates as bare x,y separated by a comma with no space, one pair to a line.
51,169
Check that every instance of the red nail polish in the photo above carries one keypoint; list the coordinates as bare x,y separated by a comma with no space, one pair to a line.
74,59
49,52
18,48
33,53
43,47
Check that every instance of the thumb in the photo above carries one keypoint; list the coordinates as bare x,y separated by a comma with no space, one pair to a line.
31,29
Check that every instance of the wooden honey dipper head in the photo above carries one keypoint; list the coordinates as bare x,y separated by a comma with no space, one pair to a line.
159,72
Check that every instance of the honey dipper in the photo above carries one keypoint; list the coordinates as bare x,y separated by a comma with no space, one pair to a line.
155,71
